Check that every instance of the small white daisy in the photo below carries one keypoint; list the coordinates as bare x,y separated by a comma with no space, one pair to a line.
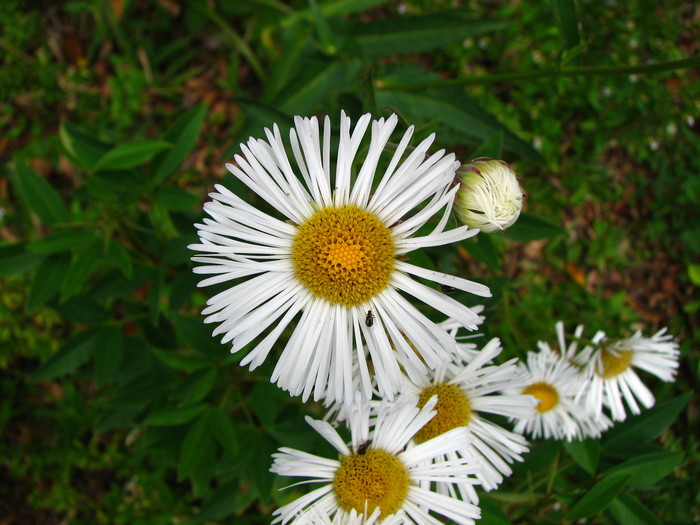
610,365
331,265
467,389
555,382
377,471
313,516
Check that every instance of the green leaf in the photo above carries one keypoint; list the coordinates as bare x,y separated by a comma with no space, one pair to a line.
83,309
311,90
197,385
694,273
63,241
69,357
645,427
175,416
332,9
491,512
131,155
627,510
461,116
325,34
119,255
530,228
483,250
266,400
80,270
198,335
37,194
183,137
81,146
222,428
413,34
565,14
491,148
597,498
586,453
649,468
188,363
222,502
17,258
47,280
109,350
175,199
196,441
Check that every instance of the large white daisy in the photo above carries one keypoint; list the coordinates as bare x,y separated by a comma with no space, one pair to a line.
333,263
467,389
555,383
376,470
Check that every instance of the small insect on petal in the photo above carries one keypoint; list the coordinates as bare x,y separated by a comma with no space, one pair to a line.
369,318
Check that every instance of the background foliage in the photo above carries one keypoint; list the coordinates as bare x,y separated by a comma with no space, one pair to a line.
116,405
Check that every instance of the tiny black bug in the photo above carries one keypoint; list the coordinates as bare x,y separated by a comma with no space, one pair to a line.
369,318
362,449
447,289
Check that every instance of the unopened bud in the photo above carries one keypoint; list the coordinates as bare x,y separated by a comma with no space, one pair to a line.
490,197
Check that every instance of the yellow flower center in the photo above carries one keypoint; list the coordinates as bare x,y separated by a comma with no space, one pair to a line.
546,393
345,255
453,410
376,478
614,362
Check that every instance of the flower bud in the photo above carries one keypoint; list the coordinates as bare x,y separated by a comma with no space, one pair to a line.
490,197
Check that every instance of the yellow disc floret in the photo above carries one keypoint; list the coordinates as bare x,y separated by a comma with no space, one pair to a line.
375,478
614,362
453,410
345,255
546,393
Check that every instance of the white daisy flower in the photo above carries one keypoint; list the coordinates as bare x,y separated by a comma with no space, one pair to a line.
555,383
332,264
613,381
466,390
313,516
377,471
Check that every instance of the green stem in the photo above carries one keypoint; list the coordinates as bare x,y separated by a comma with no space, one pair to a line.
548,73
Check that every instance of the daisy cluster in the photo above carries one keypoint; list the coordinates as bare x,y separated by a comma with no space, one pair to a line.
321,276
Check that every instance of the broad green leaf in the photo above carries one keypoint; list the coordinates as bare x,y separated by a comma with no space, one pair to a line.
118,187
131,155
183,136
17,258
80,270
297,46
565,14
162,222
645,427
204,470
109,350
491,148
329,44
70,356
188,363
266,400
627,510
649,468
119,255
81,146
483,250
63,241
83,309
181,289
37,194
412,34
47,280
222,428
198,336
222,502
196,440
175,416
197,385
597,498
694,273
461,117
332,9
586,453
175,199
530,228
491,512
311,90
